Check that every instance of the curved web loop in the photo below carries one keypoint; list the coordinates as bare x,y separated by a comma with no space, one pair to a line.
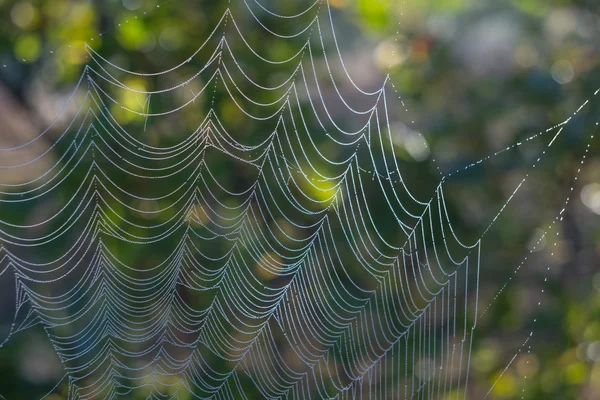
282,281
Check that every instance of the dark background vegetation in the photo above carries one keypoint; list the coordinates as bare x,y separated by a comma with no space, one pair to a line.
476,76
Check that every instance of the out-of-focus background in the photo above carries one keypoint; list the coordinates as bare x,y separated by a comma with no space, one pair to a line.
476,76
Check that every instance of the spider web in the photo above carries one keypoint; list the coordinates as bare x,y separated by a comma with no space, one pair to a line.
280,281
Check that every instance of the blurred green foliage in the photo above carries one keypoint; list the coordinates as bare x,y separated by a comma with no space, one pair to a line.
476,76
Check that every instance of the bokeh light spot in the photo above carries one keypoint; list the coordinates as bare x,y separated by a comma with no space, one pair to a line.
590,196
28,47
526,56
23,15
132,4
170,39
562,72
389,54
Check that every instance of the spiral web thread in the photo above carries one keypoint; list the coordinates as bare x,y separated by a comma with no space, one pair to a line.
283,282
